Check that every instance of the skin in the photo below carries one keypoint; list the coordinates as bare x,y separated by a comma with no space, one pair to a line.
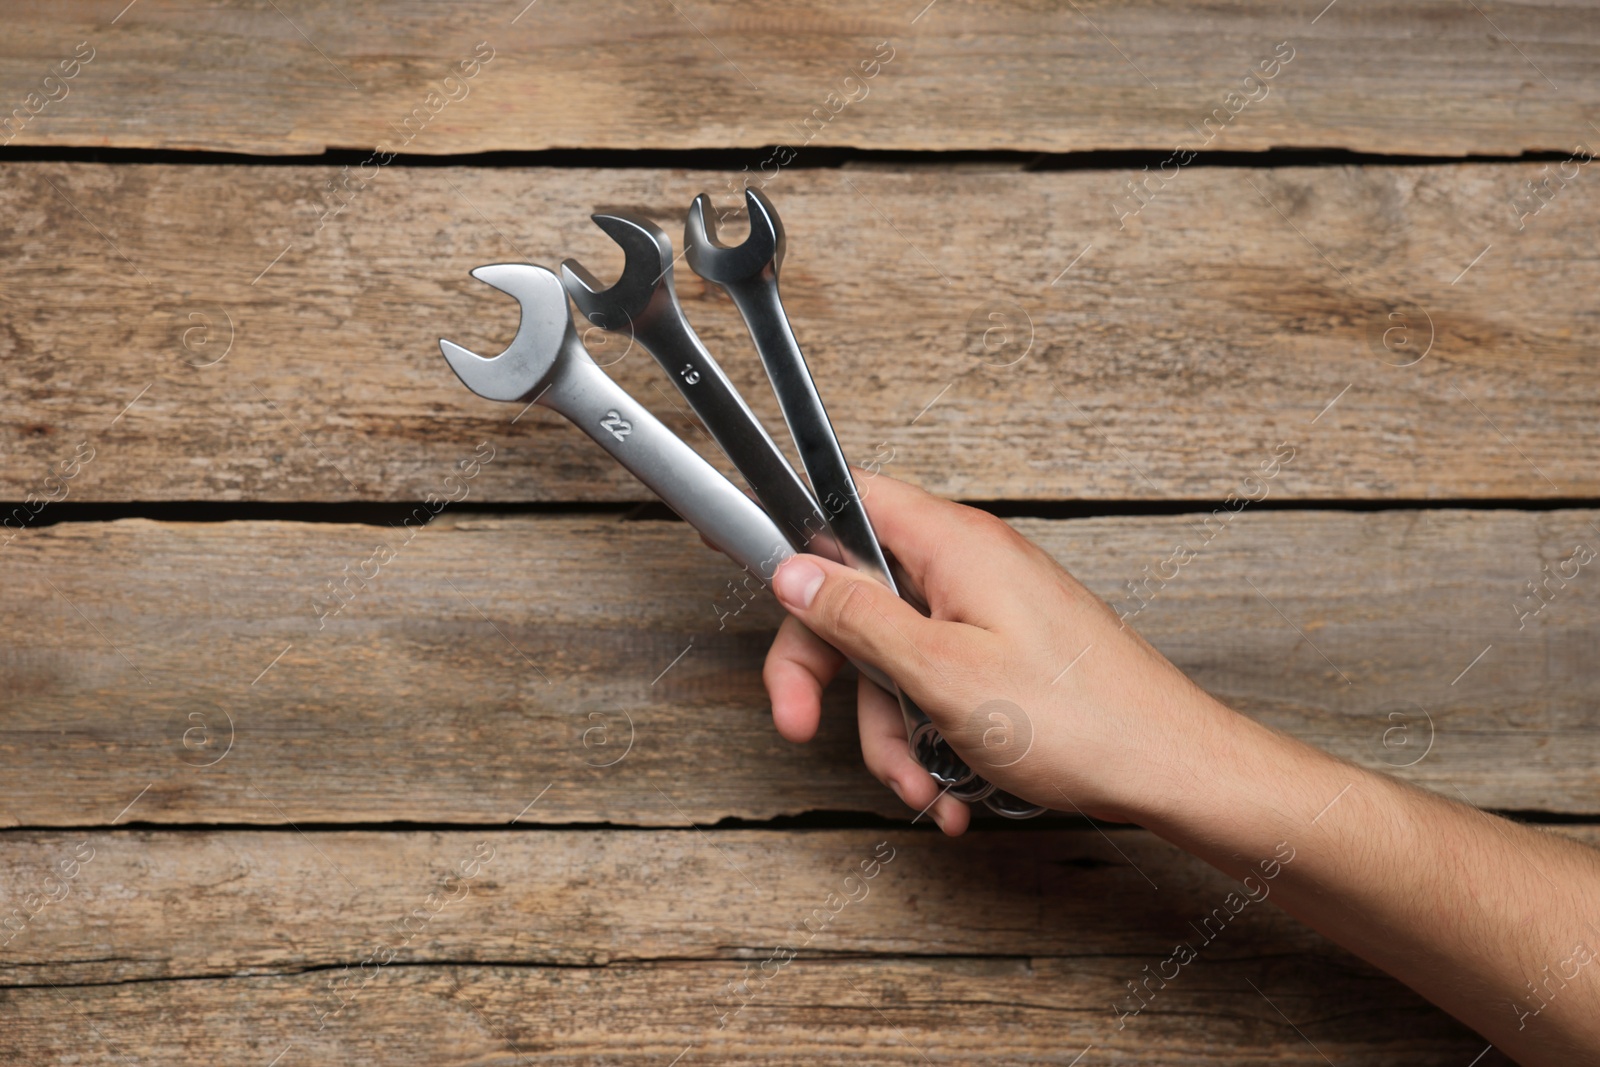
1464,907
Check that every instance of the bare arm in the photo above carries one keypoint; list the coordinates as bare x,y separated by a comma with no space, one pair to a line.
1497,923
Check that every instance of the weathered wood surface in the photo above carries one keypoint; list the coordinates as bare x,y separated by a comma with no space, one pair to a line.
492,659
1431,77
232,902
148,905
948,1011
1240,309
633,945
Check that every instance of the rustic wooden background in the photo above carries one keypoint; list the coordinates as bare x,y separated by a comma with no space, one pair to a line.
235,832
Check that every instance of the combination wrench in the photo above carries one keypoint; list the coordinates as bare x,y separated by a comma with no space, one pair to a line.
748,273
644,302
547,364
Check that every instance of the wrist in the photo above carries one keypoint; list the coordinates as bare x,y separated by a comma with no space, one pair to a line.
1237,787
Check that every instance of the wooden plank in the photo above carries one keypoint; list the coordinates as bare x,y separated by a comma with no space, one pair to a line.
126,906
492,662
1430,77
236,902
335,941
1241,309
1004,1011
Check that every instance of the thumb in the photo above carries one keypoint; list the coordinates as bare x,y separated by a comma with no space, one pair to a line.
866,621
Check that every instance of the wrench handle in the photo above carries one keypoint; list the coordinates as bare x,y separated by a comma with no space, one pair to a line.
762,310
737,431
656,456
672,470
803,412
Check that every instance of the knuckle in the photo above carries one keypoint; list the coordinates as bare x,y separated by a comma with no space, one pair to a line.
978,524
850,612
998,528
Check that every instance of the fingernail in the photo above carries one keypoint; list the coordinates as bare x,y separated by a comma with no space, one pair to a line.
797,582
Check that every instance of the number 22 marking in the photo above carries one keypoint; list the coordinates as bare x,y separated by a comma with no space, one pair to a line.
619,426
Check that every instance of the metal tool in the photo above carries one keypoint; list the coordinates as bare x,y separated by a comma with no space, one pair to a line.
547,364
749,274
644,301
1011,806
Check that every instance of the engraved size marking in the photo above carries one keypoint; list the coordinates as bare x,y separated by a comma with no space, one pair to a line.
619,426
689,374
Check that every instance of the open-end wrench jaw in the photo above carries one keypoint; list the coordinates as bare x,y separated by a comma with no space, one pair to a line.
646,277
545,333
716,262
644,303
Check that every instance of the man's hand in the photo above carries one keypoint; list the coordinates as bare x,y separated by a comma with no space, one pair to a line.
1036,683
1040,687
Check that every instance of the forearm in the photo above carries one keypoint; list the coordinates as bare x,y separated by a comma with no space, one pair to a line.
1466,908
1018,657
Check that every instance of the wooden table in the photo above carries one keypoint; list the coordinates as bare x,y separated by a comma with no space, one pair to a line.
349,718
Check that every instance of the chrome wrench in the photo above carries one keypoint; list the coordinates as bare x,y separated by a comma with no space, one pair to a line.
644,301
749,274
547,364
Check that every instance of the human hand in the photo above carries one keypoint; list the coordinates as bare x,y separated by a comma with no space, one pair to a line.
1033,680
1042,690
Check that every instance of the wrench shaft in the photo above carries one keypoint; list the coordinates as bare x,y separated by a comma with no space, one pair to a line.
762,310
685,482
803,412
671,469
734,427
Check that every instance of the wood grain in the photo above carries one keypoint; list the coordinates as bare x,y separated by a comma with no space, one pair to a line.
234,902
1001,946
1430,77
158,905
1002,1011
1165,360
540,689
493,662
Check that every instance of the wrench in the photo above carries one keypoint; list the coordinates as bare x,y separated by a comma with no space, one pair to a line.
644,300
749,274
547,364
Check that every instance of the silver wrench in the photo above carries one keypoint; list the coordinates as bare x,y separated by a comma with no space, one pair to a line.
644,300
749,274
547,364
